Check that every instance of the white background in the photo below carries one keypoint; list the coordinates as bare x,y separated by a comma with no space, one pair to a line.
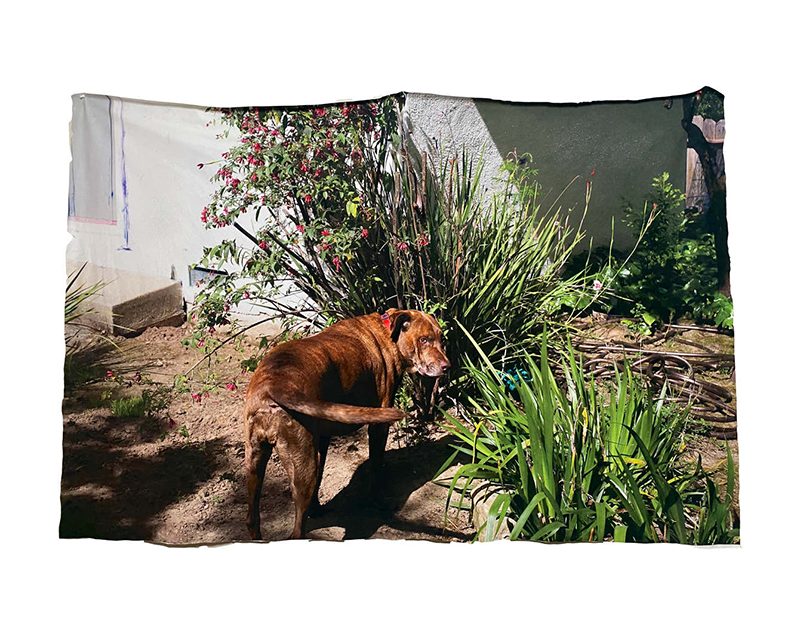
241,53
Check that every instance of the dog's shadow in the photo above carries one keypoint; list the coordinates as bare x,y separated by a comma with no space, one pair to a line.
406,470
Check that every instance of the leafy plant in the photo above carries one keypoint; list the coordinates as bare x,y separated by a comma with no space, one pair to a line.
348,220
572,460
672,271
150,403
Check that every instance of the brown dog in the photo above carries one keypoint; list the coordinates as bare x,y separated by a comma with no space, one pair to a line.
307,390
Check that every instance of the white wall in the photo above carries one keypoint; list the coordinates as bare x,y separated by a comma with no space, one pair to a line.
443,126
156,151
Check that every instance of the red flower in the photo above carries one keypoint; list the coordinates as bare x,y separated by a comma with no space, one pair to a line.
402,246
234,182
594,171
303,167
317,172
245,295
230,386
337,262
256,147
423,240
109,374
274,132
262,245
301,228
319,111
326,246
197,397
364,232
308,198
204,215
346,110
325,232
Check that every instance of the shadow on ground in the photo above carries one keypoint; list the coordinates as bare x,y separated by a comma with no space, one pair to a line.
407,471
111,492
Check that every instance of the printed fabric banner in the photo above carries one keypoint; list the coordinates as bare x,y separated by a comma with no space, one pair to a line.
419,317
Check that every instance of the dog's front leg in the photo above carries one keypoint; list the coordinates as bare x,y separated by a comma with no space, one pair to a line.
378,434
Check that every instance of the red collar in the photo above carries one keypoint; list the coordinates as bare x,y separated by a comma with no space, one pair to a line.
386,322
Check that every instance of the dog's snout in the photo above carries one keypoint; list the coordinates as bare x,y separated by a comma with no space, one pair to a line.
445,365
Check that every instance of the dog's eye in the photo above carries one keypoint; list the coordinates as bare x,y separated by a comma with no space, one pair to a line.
424,340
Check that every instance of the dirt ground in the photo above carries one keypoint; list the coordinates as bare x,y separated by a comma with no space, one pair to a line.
179,479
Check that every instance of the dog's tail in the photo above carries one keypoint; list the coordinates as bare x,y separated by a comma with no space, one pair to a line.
345,413
335,412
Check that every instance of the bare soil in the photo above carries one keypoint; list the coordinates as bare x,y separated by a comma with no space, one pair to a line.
178,478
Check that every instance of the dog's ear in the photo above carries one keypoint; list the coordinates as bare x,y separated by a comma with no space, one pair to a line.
399,320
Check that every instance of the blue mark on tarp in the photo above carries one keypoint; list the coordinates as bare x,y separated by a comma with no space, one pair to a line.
125,218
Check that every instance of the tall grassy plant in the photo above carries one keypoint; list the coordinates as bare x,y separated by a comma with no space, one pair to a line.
409,234
573,461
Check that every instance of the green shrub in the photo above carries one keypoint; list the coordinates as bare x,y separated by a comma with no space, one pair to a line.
672,273
572,461
149,404
347,220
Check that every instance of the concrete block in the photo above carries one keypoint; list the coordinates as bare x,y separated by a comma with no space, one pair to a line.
129,303
482,498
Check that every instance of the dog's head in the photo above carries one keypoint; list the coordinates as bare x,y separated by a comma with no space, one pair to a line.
419,340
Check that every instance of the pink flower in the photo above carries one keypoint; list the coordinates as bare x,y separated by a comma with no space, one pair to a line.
230,386
402,246
274,132
337,262
245,295
262,245
303,167
204,215
326,246
256,147
594,171
364,232
308,198
109,374
197,397
423,240
201,342
254,176
597,285
317,172
301,228
234,182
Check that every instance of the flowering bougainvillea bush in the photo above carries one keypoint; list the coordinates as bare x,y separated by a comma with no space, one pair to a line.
339,216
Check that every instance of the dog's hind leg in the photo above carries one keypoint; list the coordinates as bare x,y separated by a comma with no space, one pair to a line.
256,456
299,457
322,452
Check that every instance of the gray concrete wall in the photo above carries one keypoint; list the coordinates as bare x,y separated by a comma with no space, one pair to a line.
627,144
